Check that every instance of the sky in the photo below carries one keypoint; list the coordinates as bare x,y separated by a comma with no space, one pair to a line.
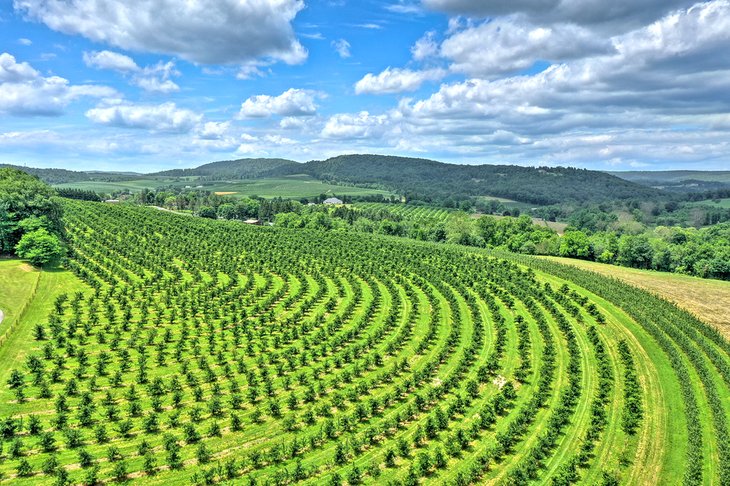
156,84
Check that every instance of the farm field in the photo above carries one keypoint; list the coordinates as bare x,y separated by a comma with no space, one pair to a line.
181,350
417,213
707,299
295,186
442,215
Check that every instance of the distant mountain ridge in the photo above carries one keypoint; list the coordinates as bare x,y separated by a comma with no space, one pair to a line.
62,176
424,179
678,180
232,169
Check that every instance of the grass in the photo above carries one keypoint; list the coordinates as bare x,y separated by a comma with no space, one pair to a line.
295,186
17,281
707,299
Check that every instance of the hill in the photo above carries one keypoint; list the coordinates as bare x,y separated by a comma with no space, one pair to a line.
423,178
64,176
678,180
233,169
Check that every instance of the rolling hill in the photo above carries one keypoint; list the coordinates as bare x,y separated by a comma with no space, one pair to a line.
423,179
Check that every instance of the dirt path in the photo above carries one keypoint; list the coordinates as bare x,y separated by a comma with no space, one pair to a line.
2,316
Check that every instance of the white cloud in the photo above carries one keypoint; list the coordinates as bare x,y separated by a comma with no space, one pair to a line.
204,31
24,91
110,60
292,123
25,42
154,78
425,47
214,130
516,44
396,80
12,71
342,47
157,78
166,117
293,102
620,16
360,125
405,7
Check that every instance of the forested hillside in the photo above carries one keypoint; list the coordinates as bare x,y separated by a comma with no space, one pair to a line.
63,176
428,179
234,169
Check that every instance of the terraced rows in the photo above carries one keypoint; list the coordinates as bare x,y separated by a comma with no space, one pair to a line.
208,352
412,213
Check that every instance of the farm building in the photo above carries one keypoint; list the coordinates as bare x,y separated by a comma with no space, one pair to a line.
332,200
256,222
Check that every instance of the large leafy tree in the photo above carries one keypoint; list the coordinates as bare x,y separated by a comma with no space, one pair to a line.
24,197
39,247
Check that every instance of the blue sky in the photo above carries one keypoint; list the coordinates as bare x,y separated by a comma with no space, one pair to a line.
161,84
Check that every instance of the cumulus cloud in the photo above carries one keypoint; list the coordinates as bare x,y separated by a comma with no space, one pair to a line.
342,47
660,86
154,78
619,16
24,91
214,130
360,125
110,60
516,44
395,80
166,117
293,102
425,47
12,71
204,32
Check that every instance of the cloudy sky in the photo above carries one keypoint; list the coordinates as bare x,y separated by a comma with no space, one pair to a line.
114,84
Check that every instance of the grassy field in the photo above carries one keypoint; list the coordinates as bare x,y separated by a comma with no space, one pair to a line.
26,297
707,299
295,186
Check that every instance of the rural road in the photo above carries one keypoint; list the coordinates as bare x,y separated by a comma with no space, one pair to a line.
2,316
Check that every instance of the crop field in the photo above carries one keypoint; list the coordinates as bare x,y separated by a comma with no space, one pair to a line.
707,299
416,213
295,186
184,350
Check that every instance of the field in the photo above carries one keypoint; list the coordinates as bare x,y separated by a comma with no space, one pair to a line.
707,299
295,186
416,213
184,350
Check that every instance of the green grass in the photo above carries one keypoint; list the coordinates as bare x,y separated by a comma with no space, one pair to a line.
17,282
295,186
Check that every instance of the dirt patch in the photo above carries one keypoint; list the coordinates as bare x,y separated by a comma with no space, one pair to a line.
25,267
500,381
